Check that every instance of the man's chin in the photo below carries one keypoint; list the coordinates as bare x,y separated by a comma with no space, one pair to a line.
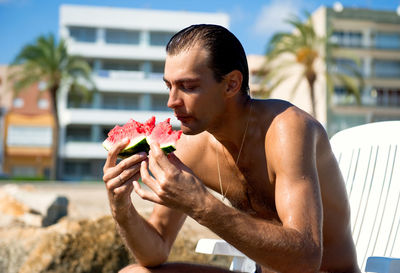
190,131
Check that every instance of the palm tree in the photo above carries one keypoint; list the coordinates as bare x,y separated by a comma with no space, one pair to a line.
48,62
303,48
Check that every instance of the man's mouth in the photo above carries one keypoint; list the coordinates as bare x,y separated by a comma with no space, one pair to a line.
183,118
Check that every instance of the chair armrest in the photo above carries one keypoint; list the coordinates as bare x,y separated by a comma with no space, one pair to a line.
240,261
382,265
217,247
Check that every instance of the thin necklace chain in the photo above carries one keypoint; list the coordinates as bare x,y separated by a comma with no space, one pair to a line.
237,159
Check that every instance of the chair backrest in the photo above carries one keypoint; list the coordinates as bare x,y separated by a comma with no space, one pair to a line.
369,158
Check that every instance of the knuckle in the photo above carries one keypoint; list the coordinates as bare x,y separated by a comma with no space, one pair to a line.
157,153
171,174
106,177
163,181
123,164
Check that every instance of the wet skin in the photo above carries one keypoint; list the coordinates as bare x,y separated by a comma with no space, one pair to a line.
289,210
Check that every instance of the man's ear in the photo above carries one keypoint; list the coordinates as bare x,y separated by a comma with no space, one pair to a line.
233,83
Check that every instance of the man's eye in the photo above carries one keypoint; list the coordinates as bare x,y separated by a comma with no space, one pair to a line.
189,87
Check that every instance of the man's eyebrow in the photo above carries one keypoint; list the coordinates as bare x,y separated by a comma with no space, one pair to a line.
183,80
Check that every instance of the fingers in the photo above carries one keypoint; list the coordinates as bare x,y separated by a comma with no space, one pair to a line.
159,160
120,178
125,167
145,195
147,178
113,153
177,162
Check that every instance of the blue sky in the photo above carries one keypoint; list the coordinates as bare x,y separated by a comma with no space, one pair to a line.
252,21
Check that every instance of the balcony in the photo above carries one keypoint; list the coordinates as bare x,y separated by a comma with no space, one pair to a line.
83,150
376,98
116,51
128,81
112,117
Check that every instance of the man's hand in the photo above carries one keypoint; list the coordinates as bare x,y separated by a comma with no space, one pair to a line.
119,177
173,184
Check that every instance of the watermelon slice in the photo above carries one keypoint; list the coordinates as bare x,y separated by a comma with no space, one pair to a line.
141,135
163,134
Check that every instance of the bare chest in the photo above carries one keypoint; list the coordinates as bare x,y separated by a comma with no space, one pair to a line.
248,185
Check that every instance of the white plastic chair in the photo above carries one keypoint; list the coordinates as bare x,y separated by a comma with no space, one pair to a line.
369,158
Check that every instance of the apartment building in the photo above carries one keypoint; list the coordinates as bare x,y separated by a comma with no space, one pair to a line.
27,130
126,49
371,38
368,41
5,104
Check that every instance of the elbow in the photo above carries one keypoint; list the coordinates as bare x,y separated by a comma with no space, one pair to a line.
306,261
159,258
311,259
153,262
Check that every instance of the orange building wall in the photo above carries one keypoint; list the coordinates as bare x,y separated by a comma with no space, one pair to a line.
28,115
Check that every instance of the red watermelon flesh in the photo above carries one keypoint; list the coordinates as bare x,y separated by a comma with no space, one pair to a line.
165,136
141,134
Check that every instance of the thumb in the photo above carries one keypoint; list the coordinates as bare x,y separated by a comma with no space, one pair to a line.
178,163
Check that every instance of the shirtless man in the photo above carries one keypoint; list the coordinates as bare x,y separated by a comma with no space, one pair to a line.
271,160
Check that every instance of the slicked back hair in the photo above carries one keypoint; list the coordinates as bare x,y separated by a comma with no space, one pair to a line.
226,53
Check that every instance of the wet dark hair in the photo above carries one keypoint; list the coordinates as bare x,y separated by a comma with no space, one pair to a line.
225,50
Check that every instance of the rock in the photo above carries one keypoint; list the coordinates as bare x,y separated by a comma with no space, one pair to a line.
68,246
30,207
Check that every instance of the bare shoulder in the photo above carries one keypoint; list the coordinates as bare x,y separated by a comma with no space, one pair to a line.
293,138
191,148
294,125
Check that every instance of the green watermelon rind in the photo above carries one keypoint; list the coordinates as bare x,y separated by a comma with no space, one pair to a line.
168,149
138,145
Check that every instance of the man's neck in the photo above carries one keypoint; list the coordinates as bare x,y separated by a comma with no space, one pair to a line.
234,122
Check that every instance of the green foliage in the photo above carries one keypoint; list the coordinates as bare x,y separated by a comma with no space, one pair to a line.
48,61
302,48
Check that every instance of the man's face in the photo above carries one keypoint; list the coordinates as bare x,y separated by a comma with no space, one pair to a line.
195,96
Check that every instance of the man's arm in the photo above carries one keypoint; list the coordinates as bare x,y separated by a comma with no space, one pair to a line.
296,244
293,246
149,240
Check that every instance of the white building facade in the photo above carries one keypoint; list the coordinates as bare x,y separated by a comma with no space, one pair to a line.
126,49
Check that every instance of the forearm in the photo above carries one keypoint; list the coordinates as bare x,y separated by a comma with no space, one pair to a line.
269,244
142,239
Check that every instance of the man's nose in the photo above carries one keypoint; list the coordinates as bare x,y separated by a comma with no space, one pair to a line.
174,99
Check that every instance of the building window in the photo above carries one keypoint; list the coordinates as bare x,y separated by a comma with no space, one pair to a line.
29,136
104,132
157,70
24,171
157,67
77,100
18,102
120,101
387,97
43,104
77,169
346,67
80,133
118,36
386,68
347,38
160,38
121,66
387,40
159,102
83,34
